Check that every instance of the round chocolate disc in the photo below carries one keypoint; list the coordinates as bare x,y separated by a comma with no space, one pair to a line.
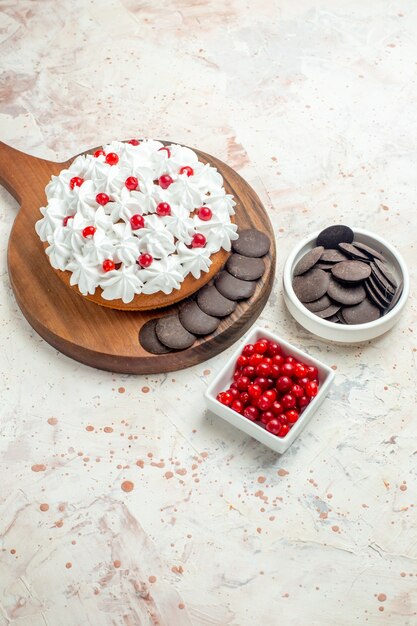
333,256
374,254
330,311
311,286
308,260
346,294
386,272
361,313
351,271
318,305
234,288
149,340
331,236
245,267
251,242
211,301
172,333
324,266
196,321
352,251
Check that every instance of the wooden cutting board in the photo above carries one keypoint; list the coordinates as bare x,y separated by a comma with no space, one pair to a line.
95,335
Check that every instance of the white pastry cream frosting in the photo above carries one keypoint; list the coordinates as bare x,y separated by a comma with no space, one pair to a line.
134,218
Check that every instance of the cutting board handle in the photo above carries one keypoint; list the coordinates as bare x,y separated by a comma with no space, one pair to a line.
19,172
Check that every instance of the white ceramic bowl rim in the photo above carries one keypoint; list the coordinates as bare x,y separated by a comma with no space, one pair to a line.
288,269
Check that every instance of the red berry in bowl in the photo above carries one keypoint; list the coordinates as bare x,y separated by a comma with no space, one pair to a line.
242,361
277,407
255,359
236,375
76,181
290,359
284,430
282,418
248,350
299,370
263,369
261,346
264,403
274,426
275,370
311,389
283,383
187,170
233,386
303,402
287,369
249,371
297,391
312,372
225,397
292,416
270,383
267,416
303,381
262,382
288,401
273,349
237,406
245,398
242,383
278,359
271,394
112,158
251,412
165,181
131,183
234,393
255,391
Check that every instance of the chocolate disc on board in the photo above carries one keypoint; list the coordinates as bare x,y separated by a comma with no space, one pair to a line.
196,321
172,333
251,243
244,267
234,288
149,340
212,302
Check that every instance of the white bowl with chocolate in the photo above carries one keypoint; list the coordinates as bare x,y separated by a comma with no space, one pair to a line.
345,285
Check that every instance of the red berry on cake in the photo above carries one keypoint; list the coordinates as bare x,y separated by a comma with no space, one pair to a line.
65,220
187,170
167,150
163,209
165,181
112,158
134,142
98,153
204,213
131,183
198,241
136,222
102,198
76,181
108,265
88,231
145,260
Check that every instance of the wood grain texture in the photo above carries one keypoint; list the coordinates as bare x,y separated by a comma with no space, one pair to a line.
95,335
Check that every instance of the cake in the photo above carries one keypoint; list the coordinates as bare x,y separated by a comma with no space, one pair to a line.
134,223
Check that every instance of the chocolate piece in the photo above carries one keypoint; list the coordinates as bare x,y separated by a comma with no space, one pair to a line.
381,280
395,298
346,294
383,294
234,288
361,313
311,286
308,260
244,267
334,318
324,266
212,302
374,254
330,311
374,296
353,252
251,243
386,273
172,333
351,271
318,305
195,320
331,236
149,340
333,256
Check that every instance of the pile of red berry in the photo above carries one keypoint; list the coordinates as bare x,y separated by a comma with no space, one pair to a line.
269,387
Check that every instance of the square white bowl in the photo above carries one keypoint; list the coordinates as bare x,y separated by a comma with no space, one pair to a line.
224,379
